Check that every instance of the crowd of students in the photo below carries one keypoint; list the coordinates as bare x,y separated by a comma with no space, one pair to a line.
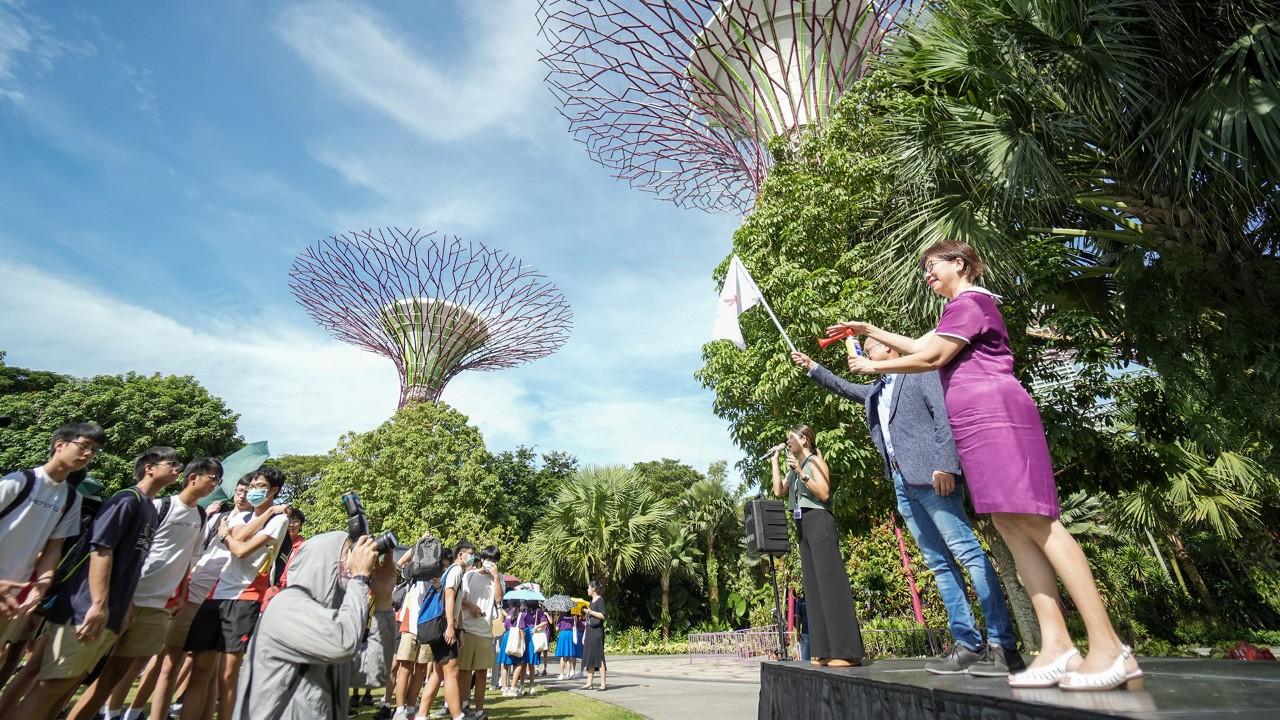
227,610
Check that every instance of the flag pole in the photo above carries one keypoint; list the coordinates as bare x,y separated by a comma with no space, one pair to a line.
775,322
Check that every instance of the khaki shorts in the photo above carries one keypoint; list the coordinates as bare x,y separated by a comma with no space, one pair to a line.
145,636
176,636
411,650
476,652
20,630
66,657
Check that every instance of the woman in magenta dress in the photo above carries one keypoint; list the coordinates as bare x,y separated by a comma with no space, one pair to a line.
1005,457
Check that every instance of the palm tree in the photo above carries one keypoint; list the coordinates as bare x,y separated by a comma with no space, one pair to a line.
604,524
710,512
679,556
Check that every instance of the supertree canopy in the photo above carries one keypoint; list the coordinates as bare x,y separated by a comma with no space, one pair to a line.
680,97
435,306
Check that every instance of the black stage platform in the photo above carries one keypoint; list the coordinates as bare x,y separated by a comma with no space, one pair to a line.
901,690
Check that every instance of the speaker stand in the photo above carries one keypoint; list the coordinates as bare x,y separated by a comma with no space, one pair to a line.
777,610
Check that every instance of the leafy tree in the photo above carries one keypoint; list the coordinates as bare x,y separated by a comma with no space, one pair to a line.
603,524
668,478
137,412
527,485
302,473
710,513
678,555
425,469
14,380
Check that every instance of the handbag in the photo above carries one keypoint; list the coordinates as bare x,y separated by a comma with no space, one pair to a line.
515,642
497,627
540,641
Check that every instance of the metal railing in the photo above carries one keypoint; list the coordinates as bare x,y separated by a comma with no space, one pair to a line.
752,645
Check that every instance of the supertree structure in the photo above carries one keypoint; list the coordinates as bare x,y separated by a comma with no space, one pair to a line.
680,97
434,306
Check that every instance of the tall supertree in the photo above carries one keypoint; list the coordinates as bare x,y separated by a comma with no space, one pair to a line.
434,306
680,97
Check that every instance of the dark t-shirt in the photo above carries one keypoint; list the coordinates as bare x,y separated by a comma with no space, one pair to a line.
125,524
597,605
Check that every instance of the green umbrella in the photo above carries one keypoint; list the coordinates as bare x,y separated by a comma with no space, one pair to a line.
234,466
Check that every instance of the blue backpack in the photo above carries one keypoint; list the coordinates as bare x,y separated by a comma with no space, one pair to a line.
431,620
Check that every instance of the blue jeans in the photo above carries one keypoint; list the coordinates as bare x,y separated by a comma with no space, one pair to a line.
941,528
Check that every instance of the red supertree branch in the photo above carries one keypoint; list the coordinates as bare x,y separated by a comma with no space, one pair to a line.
680,97
433,306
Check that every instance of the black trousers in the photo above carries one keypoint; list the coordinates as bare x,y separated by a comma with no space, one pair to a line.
833,621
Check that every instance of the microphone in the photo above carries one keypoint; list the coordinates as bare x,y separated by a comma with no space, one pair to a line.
773,451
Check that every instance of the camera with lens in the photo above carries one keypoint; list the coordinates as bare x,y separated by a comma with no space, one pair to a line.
358,524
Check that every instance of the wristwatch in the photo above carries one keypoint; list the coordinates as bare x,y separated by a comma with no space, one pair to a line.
362,578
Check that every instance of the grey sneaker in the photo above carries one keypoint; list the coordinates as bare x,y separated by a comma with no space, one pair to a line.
955,661
998,661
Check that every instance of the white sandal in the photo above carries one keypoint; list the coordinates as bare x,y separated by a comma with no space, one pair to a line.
1109,679
1043,677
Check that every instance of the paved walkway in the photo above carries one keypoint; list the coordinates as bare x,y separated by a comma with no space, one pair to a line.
669,686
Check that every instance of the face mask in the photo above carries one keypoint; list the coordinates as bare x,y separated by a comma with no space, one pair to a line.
256,496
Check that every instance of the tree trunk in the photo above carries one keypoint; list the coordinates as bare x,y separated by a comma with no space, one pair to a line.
1193,574
1024,615
712,581
666,607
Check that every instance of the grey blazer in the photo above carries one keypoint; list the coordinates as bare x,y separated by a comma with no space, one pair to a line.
918,422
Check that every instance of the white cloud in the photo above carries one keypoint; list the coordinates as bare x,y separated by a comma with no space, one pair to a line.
352,47
301,391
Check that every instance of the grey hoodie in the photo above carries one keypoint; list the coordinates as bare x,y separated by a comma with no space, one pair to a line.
298,664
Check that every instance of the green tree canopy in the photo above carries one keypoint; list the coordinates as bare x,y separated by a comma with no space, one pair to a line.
137,412
425,469
668,478
603,524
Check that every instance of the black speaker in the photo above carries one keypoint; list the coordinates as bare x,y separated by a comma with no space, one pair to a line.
766,525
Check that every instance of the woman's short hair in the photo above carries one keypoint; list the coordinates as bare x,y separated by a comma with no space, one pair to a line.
595,586
956,250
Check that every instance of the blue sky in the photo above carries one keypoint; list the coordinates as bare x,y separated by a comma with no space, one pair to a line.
161,164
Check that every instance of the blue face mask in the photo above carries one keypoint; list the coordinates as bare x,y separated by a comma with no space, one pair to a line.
256,496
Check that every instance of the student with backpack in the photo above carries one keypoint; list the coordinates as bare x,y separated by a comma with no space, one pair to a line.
439,626
222,627
173,551
39,509
90,609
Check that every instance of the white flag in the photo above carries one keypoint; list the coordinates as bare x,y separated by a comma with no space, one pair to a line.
738,295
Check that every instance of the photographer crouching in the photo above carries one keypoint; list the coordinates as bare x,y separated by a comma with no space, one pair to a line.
299,663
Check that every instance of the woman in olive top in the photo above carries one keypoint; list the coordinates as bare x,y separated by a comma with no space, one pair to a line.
834,637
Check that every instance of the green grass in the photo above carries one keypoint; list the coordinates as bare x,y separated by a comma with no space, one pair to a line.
548,704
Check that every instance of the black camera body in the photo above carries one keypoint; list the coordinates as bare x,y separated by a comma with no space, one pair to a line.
358,524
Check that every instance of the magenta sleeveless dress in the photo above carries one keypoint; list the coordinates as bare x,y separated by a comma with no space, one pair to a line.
997,427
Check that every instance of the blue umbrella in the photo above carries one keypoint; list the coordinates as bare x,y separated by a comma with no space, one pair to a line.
245,460
523,594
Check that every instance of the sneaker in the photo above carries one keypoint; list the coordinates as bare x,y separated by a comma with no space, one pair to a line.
532,691
441,713
383,712
998,661
955,661
402,713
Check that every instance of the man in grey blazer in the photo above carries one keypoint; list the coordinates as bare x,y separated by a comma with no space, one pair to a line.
908,423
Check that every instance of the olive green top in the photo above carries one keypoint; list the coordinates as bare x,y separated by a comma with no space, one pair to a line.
799,494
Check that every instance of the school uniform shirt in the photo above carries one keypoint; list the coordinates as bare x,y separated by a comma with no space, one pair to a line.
173,552
208,564
125,525
247,578
479,587
26,529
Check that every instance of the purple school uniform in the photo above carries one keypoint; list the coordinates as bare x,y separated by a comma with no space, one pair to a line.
997,427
